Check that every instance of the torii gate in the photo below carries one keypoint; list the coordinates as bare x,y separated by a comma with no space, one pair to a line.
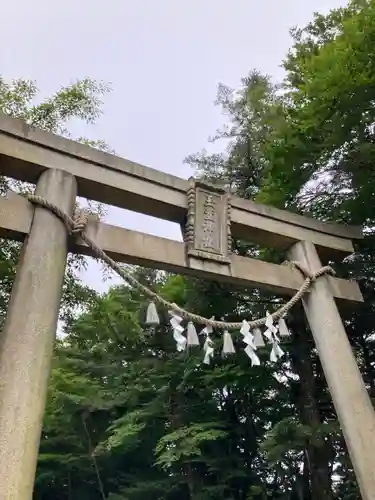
63,169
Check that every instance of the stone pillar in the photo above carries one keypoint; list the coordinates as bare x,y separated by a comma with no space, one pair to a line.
352,403
26,342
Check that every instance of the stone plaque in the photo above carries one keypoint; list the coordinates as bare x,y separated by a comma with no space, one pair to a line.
207,233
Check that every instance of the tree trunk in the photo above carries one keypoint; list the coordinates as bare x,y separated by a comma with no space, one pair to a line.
317,456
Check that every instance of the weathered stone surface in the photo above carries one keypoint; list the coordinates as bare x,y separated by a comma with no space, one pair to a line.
25,152
352,402
28,335
208,223
134,247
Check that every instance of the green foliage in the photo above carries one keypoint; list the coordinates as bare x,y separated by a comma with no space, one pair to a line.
80,100
328,135
124,432
185,442
289,434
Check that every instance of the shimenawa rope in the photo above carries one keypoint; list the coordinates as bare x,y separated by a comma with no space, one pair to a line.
76,226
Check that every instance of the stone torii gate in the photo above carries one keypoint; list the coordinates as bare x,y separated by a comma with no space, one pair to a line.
63,169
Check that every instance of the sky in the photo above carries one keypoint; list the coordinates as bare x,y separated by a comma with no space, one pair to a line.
163,59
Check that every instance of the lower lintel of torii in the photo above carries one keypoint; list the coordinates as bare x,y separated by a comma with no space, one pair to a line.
138,248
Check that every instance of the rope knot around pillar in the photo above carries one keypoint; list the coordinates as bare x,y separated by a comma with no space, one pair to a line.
80,220
308,274
325,270
75,225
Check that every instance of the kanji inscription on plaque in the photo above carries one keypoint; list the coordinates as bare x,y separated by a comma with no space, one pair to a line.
207,232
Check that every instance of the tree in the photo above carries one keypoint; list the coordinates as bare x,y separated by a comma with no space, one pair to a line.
258,113
80,100
316,158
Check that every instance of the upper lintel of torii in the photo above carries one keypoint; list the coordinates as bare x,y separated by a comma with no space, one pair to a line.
25,152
